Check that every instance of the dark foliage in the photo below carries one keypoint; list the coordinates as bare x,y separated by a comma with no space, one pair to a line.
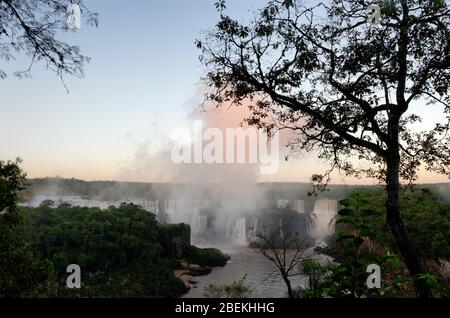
117,249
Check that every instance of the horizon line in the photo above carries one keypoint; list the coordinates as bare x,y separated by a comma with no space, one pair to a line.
209,182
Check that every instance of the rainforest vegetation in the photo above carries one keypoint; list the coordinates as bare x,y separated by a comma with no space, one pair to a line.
122,251
125,252
363,238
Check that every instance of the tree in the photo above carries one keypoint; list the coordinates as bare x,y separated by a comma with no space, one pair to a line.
346,88
20,273
349,277
284,248
31,26
318,276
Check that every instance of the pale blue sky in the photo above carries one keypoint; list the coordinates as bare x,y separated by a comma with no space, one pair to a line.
144,69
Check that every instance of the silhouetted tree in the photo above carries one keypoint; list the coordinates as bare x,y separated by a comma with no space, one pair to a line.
284,248
31,27
347,88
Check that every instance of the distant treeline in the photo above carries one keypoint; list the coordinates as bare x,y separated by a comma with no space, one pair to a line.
114,190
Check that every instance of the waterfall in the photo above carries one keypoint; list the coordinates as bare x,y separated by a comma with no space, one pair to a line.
299,206
198,223
239,235
281,230
309,225
229,230
255,225
323,218
171,210
281,204
253,229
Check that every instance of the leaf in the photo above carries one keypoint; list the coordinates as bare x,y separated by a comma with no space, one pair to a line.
288,3
220,5
365,233
345,220
344,236
345,212
369,212
430,280
363,226
363,202
347,202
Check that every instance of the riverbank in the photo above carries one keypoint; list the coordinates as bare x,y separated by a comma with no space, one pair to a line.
258,271
188,271
199,262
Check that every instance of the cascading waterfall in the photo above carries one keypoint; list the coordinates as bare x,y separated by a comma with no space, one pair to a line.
170,208
255,226
309,225
281,229
229,229
282,203
198,223
299,206
323,218
224,222
253,230
239,235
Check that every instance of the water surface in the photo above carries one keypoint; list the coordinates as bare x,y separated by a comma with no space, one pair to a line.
259,272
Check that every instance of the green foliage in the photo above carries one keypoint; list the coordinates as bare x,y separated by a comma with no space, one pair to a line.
117,249
362,218
93,238
122,251
12,180
318,279
426,217
21,274
206,256
432,282
237,289
174,229
348,278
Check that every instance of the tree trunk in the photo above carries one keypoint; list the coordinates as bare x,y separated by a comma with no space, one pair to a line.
409,253
289,287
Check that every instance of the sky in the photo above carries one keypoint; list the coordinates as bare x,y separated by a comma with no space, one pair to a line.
142,83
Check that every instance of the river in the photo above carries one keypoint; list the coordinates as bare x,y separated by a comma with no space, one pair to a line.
259,272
